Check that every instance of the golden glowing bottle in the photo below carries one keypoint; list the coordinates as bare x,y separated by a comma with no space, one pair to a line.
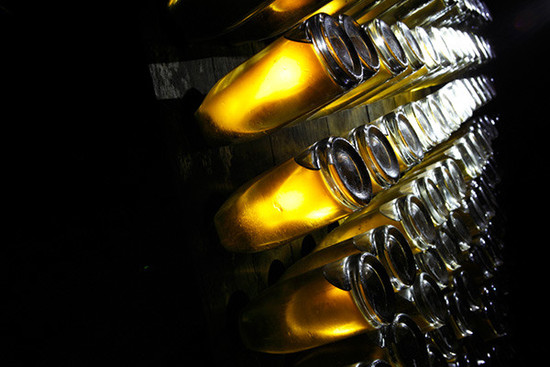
407,213
326,182
378,154
401,343
240,21
339,300
287,81
387,243
393,62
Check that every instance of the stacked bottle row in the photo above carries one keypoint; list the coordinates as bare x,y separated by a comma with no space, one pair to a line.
337,177
408,280
327,64
256,20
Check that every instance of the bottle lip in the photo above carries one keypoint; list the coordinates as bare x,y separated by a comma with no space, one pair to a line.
440,45
406,342
437,110
431,56
431,262
336,49
448,248
362,43
344,170
377,153
447,186
409,43
460,312
417,222
394,251
436,356
427,134
371,289
430,194
408,144
457,176
445,340
458,230
388,46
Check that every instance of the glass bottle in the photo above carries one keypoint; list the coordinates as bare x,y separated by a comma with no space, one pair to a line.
285,82
432,263
339,300
392,62
407,213
418,119
402,137
426,190
401,343
446,176
423,302
326,182
387,243
404,80
378,154
281,15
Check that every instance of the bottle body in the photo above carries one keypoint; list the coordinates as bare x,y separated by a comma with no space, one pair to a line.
285,82
327,182
324,305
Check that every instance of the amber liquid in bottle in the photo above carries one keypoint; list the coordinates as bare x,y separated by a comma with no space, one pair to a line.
278,85
283,203
278,322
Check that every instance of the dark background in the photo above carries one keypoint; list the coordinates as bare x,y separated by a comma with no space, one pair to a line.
91,201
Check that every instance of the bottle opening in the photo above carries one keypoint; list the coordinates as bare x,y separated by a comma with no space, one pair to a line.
383,155
429,299
424,124
456,174
336,48
448,248
434,200
398,254
432,263
417,222
350,171
388,45
457,229
407,343
409,43
374,291
447,186
445,340
431,57
362,45
409,137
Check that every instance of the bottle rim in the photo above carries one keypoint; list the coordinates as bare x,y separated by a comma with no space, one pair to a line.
378,154
343,169
410,44
434,200
408,145
371,289
389,48
336,49
431,262
362,44
394,251
416,221
431,56
406,342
